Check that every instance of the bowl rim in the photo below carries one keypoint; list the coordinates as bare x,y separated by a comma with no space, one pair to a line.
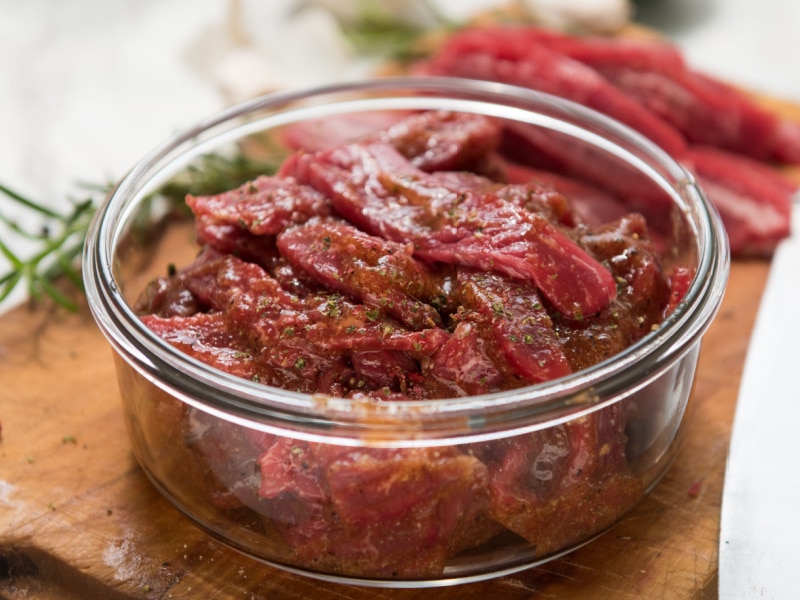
347,420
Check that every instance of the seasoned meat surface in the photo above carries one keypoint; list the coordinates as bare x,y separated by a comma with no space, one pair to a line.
407,266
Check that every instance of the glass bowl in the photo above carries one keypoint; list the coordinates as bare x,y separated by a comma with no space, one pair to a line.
408,493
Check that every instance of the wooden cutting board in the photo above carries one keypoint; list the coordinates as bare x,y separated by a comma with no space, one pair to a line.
79,519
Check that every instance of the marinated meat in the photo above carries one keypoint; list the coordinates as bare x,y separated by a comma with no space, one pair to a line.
370,277
555,487
392,513
381,274
445,141
376,188
206,337
643,290
518,325
542,150
264,206
589,204
432,140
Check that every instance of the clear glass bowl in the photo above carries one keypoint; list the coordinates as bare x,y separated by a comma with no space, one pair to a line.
420,484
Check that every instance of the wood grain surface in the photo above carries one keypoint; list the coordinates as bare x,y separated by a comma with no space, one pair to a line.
79,519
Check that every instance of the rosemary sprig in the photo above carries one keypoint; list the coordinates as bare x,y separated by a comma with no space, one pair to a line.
378,33
59,241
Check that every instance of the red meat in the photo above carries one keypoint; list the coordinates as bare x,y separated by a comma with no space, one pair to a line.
555,486
381,274
704,109
591,205
507,55
518,323
663,99
430,140
753,200
410,286
320,343
543,150
643,292
387,512
264,206
444,141
465,365
314,135
206,337
374,187
599,51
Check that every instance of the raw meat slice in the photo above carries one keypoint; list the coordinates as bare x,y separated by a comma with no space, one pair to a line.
264,206
543,484
376,188
519,325
430,140
507,55
381,274
753,199
428,498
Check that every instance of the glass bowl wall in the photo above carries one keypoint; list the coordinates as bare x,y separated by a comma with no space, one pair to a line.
432,475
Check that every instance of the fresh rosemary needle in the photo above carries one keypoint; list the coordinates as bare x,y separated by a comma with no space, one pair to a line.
59,242
377,32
